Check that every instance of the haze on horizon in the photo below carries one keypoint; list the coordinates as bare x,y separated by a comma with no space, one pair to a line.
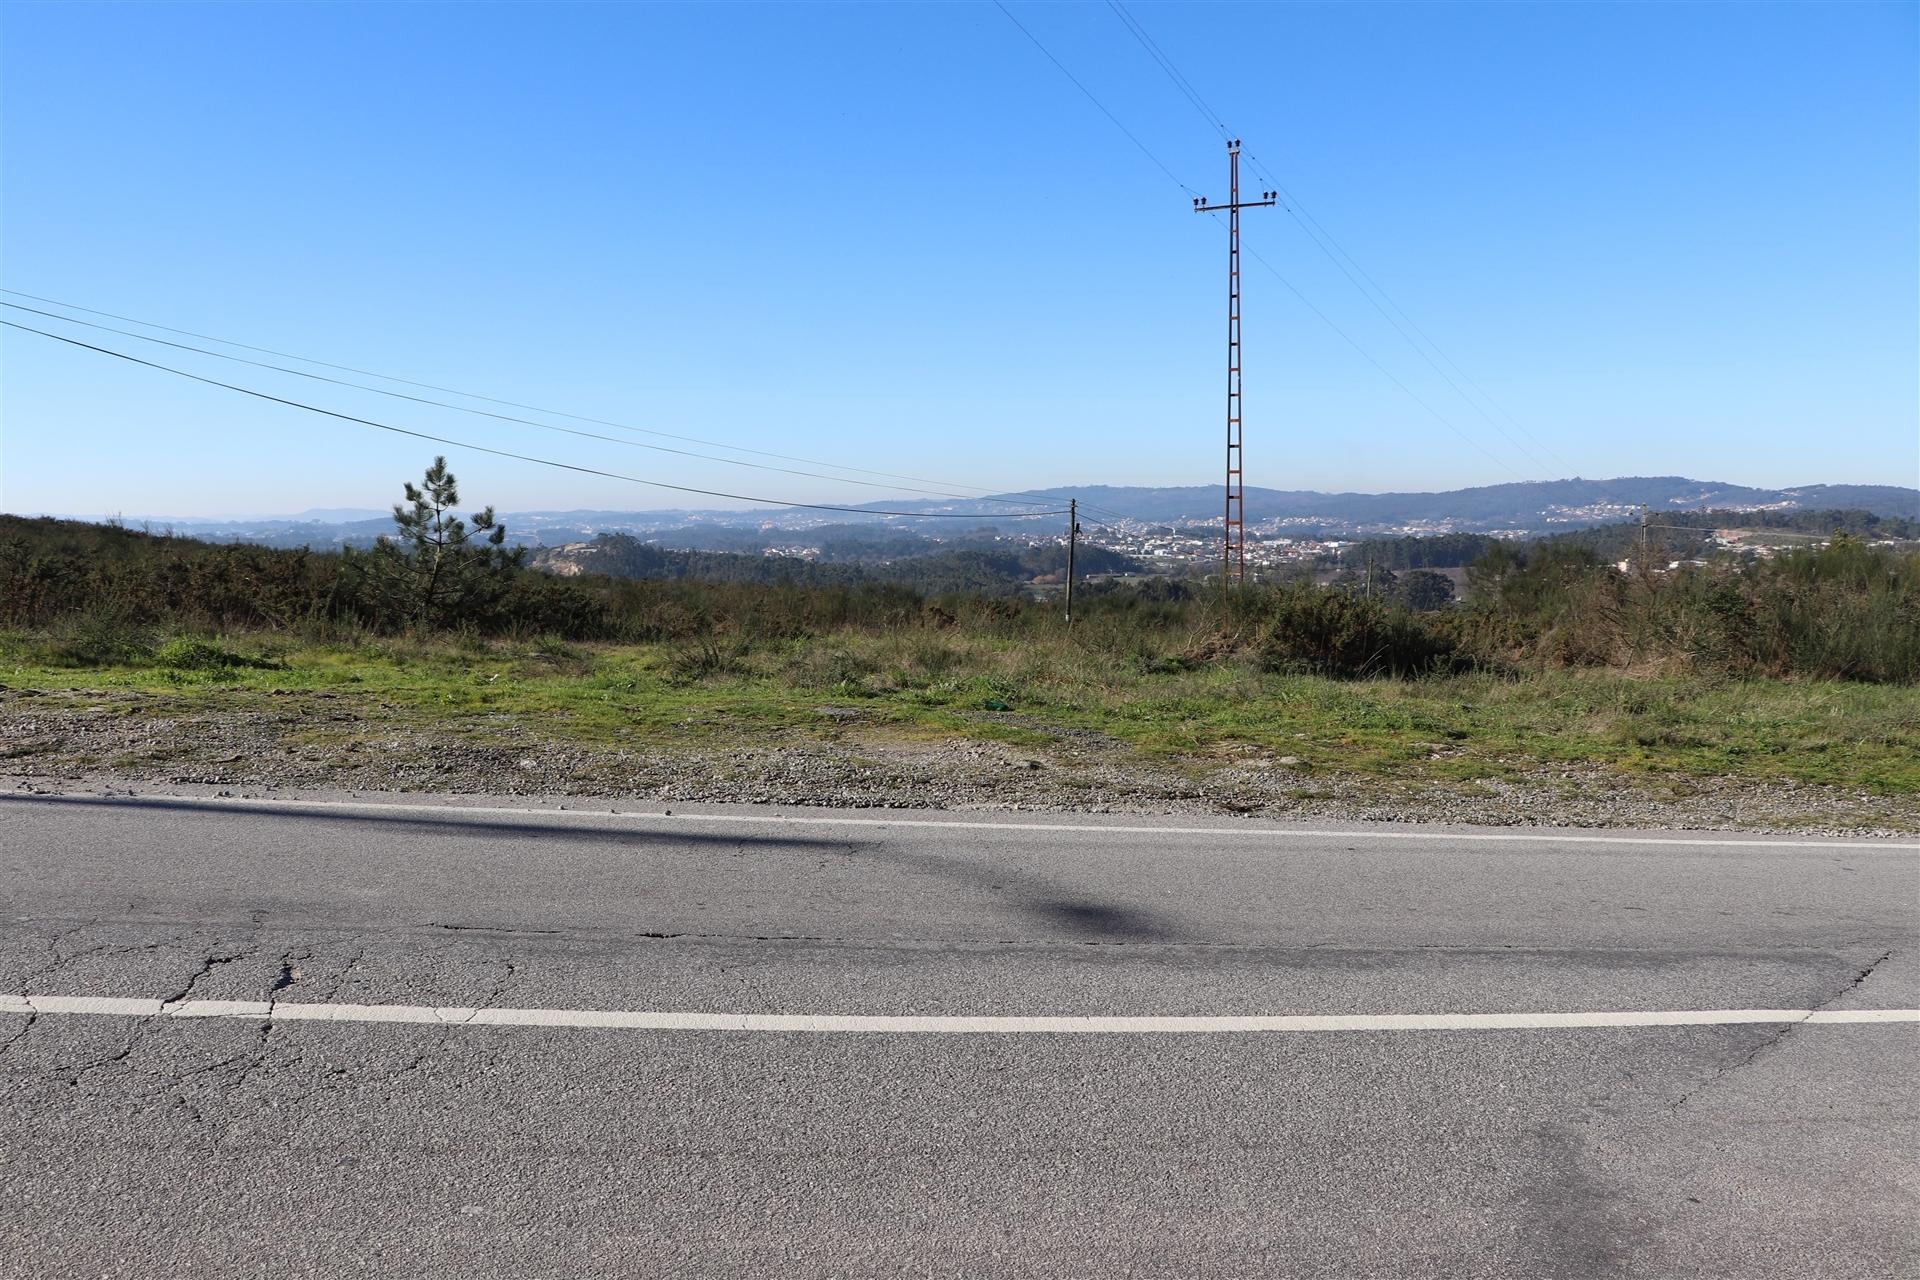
1668,241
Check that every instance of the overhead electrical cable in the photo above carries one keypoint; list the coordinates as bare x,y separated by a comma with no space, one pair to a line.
488,413
1294,204
1108,511
472,395
1384,371
1315,233
1263,262
1095,101
1334,250
1159,55
524,457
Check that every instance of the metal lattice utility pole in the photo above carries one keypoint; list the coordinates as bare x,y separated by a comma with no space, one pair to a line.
1233,566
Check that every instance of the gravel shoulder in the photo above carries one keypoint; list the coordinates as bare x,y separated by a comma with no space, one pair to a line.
122,739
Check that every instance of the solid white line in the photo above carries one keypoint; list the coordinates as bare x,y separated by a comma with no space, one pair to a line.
1525,835
430,1015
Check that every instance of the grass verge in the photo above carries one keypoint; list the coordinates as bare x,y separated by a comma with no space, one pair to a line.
1036,693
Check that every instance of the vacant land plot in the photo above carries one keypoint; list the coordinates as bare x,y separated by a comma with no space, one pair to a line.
920,717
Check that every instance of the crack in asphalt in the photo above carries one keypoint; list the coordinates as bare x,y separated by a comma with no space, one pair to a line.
293,969
209,962
214,957
240,1067
286,977
57,962
18,1036
487,928
1775,1035
346,970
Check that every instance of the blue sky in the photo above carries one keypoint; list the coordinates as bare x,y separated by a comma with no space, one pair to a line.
1665,238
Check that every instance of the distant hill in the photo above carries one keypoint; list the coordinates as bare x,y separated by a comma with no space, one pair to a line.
1533,508
338,515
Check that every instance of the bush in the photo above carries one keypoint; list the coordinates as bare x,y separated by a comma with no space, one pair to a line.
1843,611
705,658
100,638
188,653
1846,611
557,649
1329,633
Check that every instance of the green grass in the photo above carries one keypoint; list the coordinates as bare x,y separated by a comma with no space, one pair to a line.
933,684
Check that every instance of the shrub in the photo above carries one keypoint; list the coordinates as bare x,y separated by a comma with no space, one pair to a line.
932,658
100,637
1843,611
190,653
1311,631
704,658
557,649
833,669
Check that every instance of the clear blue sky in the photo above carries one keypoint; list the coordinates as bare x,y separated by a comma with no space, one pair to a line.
1666,238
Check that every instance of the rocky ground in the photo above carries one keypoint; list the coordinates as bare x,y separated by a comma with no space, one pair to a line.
128,739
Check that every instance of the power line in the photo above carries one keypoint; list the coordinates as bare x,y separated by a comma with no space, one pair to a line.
1256,253
1294,203
524,457
1384,371
1315,232
1094,506
471,395
486,413
1095,101
1159,55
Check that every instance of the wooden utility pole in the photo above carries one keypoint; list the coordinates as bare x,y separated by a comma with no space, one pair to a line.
1073,540
1233,566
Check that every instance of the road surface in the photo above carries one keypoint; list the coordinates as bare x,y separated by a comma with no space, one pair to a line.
329,1039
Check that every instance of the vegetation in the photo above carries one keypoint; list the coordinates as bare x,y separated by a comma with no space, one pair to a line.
1417,590
437,574
1803,666
1427,551
988,566
1027,688
1682,534
1842,611
98,595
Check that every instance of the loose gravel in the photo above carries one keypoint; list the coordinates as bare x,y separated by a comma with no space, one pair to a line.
119,739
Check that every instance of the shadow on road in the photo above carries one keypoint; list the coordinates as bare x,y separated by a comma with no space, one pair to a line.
1061,908
506,827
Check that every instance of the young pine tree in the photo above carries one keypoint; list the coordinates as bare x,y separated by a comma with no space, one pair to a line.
440,572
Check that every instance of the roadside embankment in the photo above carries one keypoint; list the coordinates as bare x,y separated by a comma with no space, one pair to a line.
963,730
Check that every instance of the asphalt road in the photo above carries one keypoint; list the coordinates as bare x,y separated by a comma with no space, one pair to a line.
262,1143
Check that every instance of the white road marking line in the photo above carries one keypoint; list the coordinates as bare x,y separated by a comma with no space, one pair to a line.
917,1025
1523,835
